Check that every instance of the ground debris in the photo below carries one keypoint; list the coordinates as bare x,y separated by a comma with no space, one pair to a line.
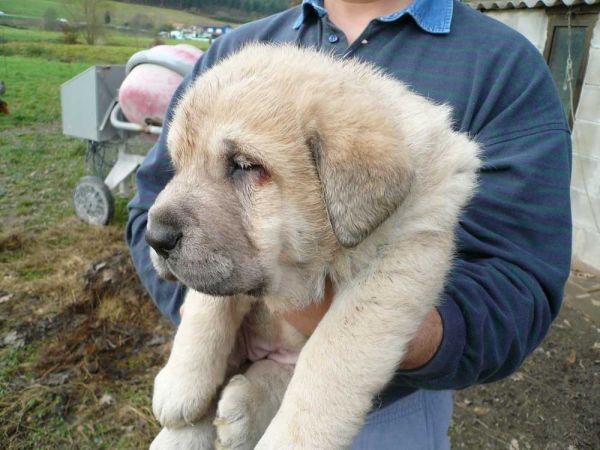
581,274
12,242
13,339
106,399
94,351
157,339
108,276
553,406
4,297
517,376
56,379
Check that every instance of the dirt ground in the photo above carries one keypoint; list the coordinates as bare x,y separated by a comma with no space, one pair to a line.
76,370
553,401
86,379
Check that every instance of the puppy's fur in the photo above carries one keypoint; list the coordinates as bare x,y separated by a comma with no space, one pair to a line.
292,165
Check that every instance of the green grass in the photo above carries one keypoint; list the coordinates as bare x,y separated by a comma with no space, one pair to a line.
34,70
90,55
32,8
9,34
33,91
112,38
39,166
39,170
120,12
45,251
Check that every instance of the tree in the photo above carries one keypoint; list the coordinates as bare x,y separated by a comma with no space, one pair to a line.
88,14
141,21
70,34
107,17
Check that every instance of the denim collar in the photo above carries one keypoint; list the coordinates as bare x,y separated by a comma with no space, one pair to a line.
433,16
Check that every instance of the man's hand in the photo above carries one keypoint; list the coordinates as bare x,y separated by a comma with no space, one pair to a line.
306,320
425,343
419,352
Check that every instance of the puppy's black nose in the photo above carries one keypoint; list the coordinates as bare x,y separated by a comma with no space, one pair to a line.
162,238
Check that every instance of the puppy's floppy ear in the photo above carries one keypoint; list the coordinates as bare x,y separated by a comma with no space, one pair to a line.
364,174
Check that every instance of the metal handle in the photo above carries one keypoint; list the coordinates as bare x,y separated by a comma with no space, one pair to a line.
128,126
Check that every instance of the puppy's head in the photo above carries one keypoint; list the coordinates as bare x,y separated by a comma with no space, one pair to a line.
282,155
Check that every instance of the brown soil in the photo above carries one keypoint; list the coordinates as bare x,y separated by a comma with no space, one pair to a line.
552,402
86,358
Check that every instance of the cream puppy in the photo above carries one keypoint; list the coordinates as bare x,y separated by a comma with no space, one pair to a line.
293,165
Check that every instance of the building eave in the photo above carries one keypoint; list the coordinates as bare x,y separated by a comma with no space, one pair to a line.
492,5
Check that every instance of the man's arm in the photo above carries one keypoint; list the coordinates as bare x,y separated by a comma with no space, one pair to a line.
151,178
153,175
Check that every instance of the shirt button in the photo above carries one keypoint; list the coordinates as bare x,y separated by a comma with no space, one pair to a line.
333,38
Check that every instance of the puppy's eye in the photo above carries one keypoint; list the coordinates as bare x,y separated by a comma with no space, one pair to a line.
242,167
241,163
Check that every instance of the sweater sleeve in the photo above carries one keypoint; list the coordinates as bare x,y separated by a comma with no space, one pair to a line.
514,240
151,178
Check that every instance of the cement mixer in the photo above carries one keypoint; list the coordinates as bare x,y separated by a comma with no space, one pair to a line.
107,106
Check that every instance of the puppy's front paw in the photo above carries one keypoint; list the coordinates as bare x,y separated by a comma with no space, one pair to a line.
290,430
181,396
199,437
240,421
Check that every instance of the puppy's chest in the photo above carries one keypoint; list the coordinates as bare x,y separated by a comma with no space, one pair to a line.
264,335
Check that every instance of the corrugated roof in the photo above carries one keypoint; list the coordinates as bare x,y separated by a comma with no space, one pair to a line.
522,4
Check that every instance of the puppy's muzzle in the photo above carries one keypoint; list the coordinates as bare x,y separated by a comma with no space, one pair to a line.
163,238
197,233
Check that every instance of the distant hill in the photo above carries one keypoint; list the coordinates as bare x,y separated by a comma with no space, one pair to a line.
120,13
228,10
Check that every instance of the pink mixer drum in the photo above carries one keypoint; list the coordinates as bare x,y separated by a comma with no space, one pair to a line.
152,76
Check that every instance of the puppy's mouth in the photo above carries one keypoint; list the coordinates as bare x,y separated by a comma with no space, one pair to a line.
161,267
259,291
222,286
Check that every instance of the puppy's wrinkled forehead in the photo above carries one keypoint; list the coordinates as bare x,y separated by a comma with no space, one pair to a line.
213,126
189,140
206,122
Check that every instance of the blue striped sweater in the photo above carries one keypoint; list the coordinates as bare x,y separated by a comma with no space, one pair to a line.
514,255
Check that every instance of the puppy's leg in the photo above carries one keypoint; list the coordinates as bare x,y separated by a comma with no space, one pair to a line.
357,347
248,404
185,387
200,436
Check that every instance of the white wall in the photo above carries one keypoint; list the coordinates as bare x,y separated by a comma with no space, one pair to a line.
533,23
586,163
